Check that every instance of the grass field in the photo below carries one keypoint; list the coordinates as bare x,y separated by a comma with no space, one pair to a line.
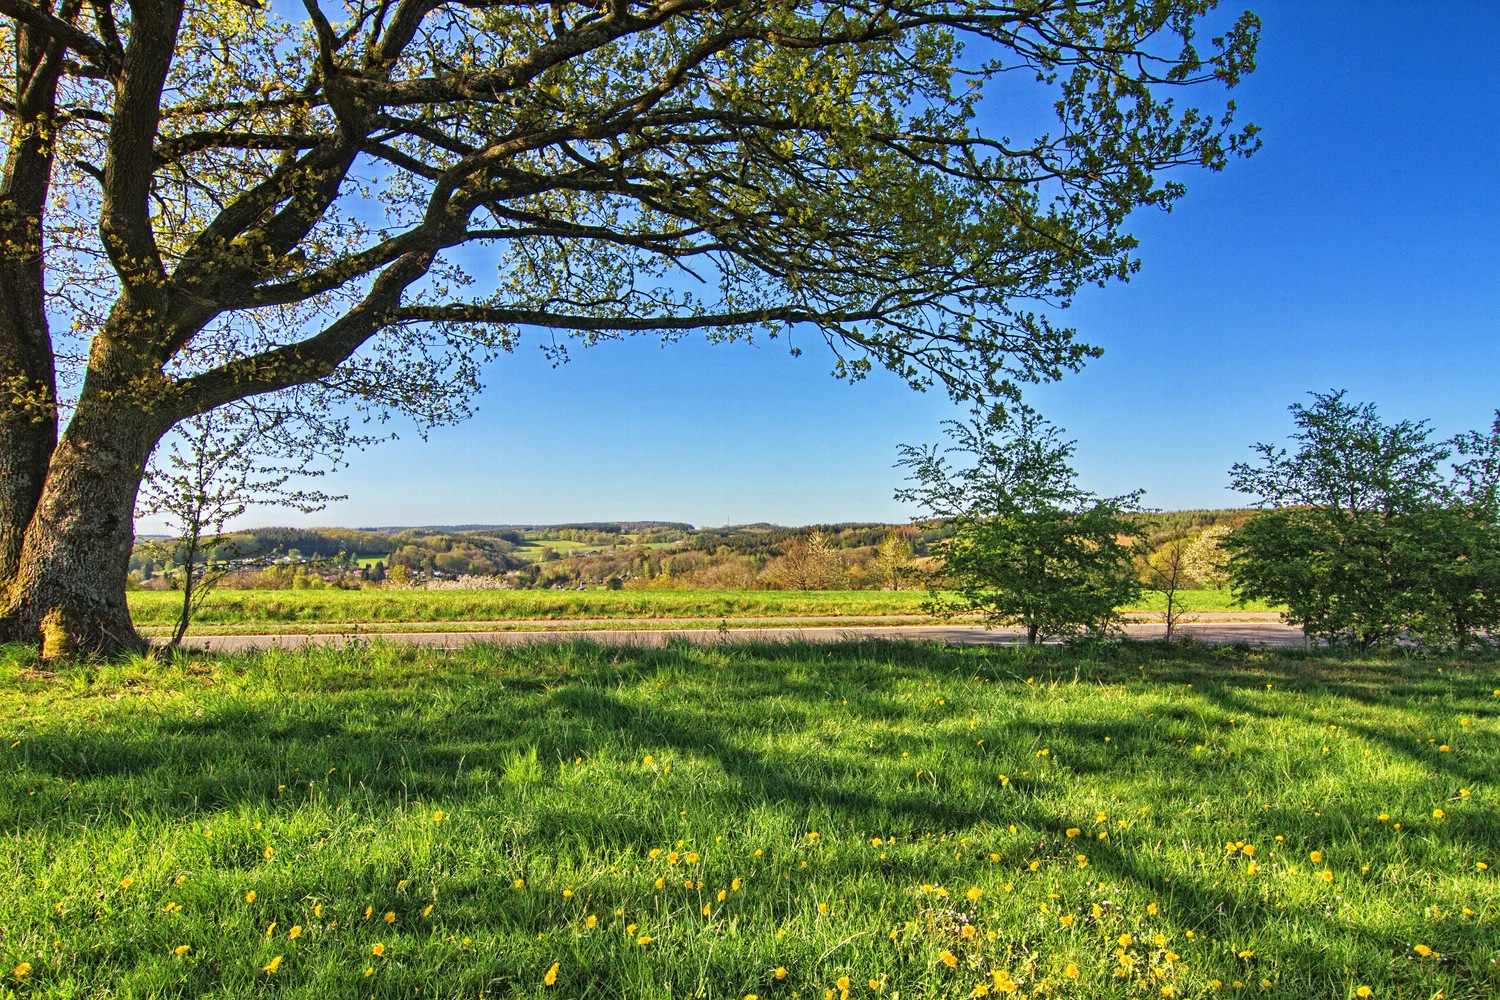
249,607
856,821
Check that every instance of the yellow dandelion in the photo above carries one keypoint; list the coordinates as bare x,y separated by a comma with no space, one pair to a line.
1481,866
390,917
591,921
661,883
707,909
550,978
823,908
318,910
126,882
439,816
1326,876
813,835
182,949
377,949
519,883
1151,909
250,896
1066,920
692,857
568,892
1125,940
974,893
270,967
369,910
295,932
1071,971
1423,950
268,853
1072,831
1364,991
643,940
949,959
842,983
271,929
779,973
1438,814
672,858
427,912
1315,856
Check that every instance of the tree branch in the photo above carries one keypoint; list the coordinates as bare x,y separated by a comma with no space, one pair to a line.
61,31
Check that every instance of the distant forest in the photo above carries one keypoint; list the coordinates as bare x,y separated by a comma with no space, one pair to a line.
626,555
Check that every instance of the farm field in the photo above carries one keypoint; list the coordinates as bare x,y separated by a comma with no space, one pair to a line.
858,821
270,608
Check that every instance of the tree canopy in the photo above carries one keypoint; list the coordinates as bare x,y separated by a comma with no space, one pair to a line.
216,201
1374,535
1029,546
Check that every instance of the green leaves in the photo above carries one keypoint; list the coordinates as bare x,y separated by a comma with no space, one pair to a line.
1371,541
1029,546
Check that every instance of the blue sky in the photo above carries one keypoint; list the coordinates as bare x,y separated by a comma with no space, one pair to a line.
1359,249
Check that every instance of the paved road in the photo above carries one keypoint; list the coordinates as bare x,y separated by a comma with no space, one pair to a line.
1259,633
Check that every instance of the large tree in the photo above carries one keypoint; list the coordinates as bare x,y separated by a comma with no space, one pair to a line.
213,201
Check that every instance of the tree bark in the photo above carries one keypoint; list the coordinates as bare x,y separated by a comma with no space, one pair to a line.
68,594
28,390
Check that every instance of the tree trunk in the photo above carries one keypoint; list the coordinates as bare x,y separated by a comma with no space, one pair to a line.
28,392
68,594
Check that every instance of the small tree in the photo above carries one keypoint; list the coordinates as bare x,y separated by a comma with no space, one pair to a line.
217,466
1029,547
806,563
893,560
1367,540
1167,572
1206,560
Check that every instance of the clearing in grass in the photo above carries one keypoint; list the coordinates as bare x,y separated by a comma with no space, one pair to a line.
779,821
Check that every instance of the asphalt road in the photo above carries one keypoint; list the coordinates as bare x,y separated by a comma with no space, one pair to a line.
1255,633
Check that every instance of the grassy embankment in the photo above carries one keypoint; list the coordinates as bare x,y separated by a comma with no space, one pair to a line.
250,608
872,819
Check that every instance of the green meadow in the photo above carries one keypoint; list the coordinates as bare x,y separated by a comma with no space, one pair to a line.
780,821
271,608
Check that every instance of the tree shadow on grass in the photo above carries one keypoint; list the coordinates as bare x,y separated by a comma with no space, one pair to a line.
466,734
